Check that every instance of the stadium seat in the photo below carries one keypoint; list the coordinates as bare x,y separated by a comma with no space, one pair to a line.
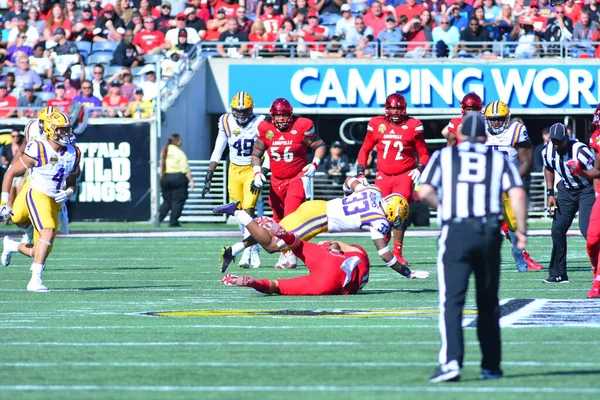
107,46
84,48
357,8
113,69
136,71
45,96
8,69
100,58
153,58
330,19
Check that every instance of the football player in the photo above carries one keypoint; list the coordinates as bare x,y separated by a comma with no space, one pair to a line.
335,267
286,138
238,129
397,138
511,138
53,164
471,102
363,209
593,234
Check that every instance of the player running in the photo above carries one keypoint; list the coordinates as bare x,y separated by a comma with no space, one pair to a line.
362,210
238,130
471,102
397,138
52,162
286,138
511,138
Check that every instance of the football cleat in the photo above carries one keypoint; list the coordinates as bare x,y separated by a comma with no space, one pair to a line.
282,262
292,260
229,209
254,257
226,258
556,279
233,280
245,260
594,292
6,253
531,264
36,285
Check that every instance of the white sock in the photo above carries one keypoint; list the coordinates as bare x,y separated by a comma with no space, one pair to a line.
242,229
237,248
246,233
12,245
243,217
36,270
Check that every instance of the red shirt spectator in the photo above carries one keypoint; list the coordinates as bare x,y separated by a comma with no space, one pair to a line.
114,99
410,9
60,102
272,22
148,38
230,8
572,10
7,101
375,18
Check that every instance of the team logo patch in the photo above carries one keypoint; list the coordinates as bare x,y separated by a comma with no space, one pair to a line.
293,132
236,131
270,135
53,160
404,127
381,128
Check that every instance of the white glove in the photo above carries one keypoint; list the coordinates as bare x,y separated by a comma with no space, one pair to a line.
63,195
310,169
418,275
415,175
5,211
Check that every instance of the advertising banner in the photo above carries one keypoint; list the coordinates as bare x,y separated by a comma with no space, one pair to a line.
347,88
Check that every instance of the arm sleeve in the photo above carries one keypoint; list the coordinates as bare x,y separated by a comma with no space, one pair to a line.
421,147
379,228
586,157
220,145
184,165
432,174
33,149
545,158
365,149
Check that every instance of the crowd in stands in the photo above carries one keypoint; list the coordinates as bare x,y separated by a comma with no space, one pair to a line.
101,54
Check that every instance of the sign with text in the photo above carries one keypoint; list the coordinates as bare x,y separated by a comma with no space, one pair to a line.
343,87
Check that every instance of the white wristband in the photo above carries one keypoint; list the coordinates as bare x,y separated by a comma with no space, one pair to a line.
256,169
4,198
70,192
383,251
393,261
316,161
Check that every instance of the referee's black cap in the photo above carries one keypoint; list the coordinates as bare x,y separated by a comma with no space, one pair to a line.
473,126
559,132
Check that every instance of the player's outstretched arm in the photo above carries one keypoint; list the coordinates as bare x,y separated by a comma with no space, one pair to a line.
391,261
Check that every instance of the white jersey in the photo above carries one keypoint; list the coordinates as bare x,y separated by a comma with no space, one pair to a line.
240,139
32,131
360,211
48,175
506,142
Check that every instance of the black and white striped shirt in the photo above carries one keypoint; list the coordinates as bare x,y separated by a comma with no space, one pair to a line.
555,161
470,179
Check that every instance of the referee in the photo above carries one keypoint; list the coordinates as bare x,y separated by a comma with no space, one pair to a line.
575,193
466,183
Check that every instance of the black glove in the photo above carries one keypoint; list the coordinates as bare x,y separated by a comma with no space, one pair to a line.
265,171
207,180
253,188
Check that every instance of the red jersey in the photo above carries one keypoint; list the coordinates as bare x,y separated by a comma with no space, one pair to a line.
62,105
286,150
410,12
595,145
359,275
230,9
10,102
396,145
453,126
149,40
272,23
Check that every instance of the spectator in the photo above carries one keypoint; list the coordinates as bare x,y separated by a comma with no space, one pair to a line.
124,11
427,21
271,18
286,39
336,165
560,27
163,22
113,101
18,49
127,85
502,35
410,9
391,34
346,23
172,63
461,23
194,22
149,85
539,22
418,35
98,82
25,75
204,11
524,34
280,7
39,63
572,10
181,23
84,28
490,14
108,26
70,89
236,45
72,12
593,10
466,9
35,21
182,43
60,101
9,79
437,8
356,37
146,9
329,7
44,9
245,22
126,53
546,9
300,6
87,99
139,108
583,33
9,151
148,40
258,34
214,27
476,33
7,102
64,46
136,24
13,15
375,18
313,32
30,100
334,48
229,6
448,36
300,19
538,161
56,20
21,27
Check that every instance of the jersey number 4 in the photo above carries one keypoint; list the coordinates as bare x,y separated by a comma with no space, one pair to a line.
58,178
243,147
388,143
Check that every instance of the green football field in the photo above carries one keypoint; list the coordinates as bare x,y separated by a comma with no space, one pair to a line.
148,318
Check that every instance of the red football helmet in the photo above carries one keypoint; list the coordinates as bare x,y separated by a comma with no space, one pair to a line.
596,119
281,114
471,102
395,109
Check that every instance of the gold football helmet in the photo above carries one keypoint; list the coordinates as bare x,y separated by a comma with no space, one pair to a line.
58,128
396,208
45,113
242,108
497,117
